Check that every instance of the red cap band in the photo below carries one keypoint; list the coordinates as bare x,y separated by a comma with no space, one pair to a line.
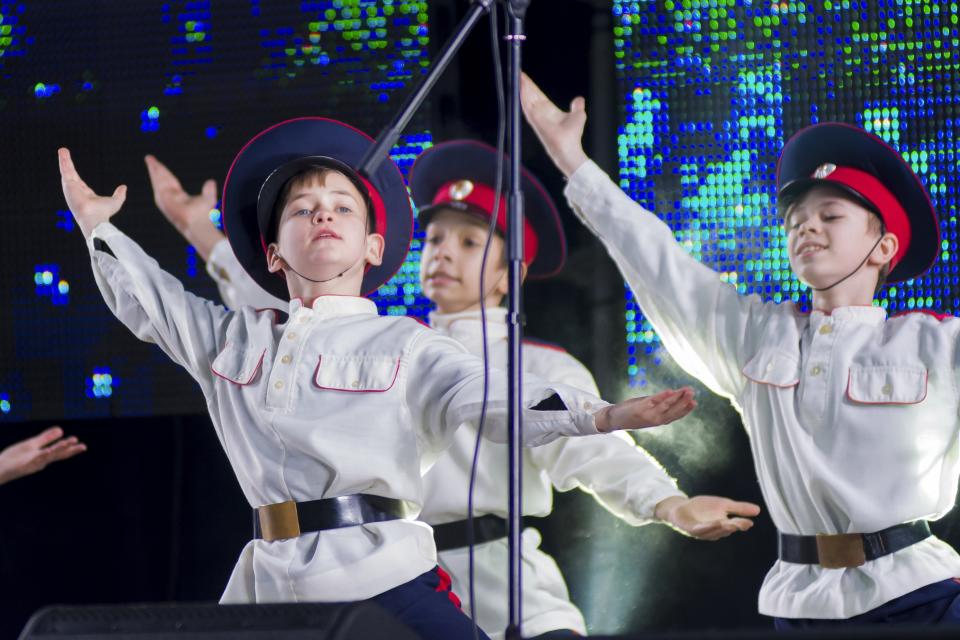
481,197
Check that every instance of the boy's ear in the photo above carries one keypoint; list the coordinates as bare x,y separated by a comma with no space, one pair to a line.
273,258
502,287
886,249
375,247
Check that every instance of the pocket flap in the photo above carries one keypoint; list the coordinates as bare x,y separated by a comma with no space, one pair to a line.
887,384
356,373
773,367
238,365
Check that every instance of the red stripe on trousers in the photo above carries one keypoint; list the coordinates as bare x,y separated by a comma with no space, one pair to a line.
445,584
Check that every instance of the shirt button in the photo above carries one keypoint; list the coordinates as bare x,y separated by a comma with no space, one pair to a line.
278,384
291,336
355,384
887,389
303,318
815,371
827,328
286,359
587,405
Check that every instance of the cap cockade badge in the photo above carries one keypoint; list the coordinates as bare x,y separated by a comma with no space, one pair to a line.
460,190
824,170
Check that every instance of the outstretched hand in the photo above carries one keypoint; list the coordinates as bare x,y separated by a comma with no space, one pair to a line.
560,132
189,214
707,517
88,208
33,454
648,411
178,206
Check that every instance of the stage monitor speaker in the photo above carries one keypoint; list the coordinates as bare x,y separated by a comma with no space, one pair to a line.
316,621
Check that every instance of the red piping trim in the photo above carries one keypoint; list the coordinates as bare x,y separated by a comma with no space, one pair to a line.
926,377
392,382
253,374
939,316
445,584
769,384
534,342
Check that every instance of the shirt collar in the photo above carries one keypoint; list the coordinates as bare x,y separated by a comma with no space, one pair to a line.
466,326
868,315
333,305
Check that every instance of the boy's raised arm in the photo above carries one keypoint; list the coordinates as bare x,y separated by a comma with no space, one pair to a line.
444,389
190,215
149,301
704,323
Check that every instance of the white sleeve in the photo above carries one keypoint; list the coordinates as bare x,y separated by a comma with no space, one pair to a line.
703,322
154,305
444,389
237,288
622,476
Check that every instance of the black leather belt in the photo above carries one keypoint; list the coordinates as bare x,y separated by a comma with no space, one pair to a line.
453,535
290,519
846,550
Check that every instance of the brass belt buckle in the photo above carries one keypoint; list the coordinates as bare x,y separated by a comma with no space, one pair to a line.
840,550
279,521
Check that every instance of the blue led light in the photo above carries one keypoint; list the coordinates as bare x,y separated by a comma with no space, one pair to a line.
49,284
101,383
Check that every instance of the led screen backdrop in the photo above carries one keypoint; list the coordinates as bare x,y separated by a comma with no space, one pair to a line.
711,89
190,82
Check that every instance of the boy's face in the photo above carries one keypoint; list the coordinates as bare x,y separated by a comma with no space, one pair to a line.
828,236
322,230
451,261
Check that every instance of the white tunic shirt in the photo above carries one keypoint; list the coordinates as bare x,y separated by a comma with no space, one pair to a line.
852,417
335,401
623,478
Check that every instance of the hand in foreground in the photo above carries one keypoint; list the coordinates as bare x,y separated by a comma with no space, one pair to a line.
560,132
707,517
87,207
648,411
33,454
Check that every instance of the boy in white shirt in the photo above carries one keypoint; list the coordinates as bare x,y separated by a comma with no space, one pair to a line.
453,185
328,415
852,417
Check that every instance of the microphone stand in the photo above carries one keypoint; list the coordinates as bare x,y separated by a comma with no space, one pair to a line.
516,10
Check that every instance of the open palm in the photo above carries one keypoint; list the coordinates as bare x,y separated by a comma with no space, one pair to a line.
33,454
88,208
179,207
559,131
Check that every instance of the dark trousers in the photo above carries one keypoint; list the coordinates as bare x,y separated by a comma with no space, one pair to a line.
428,606
934,604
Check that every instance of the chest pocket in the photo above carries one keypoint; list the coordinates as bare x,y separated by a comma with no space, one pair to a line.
238,365
887,384
774,368
356,373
